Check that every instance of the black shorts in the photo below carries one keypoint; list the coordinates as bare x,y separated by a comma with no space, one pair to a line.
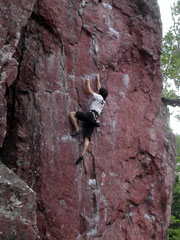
88,123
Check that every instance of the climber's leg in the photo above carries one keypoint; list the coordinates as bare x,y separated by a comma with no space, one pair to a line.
74,121
87,132
85,147
82,116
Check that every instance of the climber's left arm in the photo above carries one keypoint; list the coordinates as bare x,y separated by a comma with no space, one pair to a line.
89,90
98,82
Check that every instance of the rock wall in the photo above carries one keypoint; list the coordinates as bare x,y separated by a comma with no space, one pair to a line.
48,48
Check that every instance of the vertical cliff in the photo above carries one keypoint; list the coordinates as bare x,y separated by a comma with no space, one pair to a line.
123,189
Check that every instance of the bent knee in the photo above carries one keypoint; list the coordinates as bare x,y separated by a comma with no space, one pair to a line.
72,114
87,140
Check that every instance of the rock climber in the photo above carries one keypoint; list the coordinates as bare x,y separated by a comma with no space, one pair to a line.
90,117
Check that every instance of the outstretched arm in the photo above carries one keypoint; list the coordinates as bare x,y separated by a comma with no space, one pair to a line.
90,91
98,82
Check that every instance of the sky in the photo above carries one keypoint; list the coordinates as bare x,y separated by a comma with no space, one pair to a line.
165,9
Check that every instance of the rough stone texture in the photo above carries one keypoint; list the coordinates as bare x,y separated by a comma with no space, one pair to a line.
126,191
17,207
17,200
13,17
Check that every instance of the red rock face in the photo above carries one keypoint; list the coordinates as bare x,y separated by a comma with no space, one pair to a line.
14,16
123,189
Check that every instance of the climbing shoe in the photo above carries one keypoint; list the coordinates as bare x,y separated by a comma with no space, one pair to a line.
75,134
79,159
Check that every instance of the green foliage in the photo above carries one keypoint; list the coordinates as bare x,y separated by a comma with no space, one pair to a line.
174,230
174,234
170,64
170,58
178,149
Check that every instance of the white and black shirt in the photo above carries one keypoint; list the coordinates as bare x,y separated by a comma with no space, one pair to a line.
97,103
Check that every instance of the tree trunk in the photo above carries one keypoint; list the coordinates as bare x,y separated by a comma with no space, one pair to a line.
171,102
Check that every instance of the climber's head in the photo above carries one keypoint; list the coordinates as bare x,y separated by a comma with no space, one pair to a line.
103,92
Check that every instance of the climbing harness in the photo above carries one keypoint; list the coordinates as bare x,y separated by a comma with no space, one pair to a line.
95,114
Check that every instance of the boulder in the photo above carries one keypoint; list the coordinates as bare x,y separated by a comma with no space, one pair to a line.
17,207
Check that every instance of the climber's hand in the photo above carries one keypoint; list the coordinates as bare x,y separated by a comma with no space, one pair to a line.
87,81
97,77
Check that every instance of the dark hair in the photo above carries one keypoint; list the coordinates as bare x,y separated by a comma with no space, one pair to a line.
103,92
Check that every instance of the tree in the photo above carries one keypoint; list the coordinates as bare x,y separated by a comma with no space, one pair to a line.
174,229
170,65
170,60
